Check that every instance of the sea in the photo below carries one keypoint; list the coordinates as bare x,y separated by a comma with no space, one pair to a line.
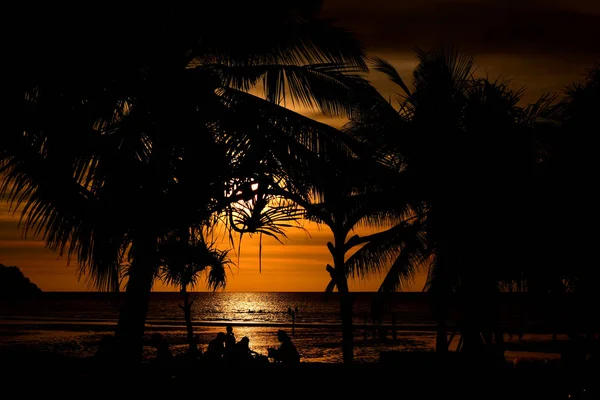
74,322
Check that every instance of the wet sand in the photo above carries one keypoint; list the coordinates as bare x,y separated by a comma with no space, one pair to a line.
317,344
57,358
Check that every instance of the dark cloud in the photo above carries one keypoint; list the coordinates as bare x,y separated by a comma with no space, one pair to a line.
554,27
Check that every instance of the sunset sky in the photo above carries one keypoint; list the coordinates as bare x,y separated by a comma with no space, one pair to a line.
541,44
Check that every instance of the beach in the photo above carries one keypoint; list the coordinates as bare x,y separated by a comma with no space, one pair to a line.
317,343
412,375
52,341
73,323
59,358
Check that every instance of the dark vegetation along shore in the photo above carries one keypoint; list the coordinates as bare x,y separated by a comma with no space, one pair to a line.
129,158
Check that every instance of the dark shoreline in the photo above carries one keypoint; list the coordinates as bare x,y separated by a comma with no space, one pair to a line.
411,375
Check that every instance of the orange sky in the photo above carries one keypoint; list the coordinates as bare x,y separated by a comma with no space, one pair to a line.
297,265
543,45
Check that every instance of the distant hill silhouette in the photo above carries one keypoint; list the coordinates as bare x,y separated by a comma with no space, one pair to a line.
13,284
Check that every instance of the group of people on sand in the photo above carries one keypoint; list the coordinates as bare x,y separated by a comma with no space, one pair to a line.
223,349
226,350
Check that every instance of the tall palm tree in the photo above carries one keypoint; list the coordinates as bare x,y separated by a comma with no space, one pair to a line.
564,164
186,257
568,153
424,134
346,197
455,137
144,123
563,161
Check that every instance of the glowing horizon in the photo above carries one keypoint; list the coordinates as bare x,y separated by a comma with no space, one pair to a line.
297,265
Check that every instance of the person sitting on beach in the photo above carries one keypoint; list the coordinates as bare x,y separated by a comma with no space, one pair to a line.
216,348
287,352
230,341
242,354
229,337
163,353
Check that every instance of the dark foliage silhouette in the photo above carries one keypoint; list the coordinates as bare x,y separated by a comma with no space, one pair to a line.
457,140
186,258
143,124
13,284
358,201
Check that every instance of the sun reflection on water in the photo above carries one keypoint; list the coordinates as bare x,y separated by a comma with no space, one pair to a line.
245,307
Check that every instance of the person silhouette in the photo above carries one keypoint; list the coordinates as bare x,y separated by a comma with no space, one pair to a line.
163,353
216,348
242,354
287,352
230,341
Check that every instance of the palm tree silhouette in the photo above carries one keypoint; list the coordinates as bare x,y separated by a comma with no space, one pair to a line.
186,257
562,165
144,123
421,134
455,138
563,162
349,197
564,153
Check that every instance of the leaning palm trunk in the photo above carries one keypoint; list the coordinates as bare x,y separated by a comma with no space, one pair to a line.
132,318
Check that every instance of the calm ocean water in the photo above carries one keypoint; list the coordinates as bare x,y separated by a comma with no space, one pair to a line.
74,322
222,307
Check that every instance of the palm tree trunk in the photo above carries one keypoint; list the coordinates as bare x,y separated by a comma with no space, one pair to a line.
346,306
187,312
439,310
441,291
346,303
132,318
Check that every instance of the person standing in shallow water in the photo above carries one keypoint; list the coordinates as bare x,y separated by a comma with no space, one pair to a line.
287,352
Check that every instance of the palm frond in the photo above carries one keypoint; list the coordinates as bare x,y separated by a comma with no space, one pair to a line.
288,125
388,69
281,38
329,88
382,248
187,257
272,219
443,64
543,110
217,277
102,268
404,268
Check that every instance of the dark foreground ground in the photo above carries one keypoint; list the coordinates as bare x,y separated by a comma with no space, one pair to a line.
411,375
